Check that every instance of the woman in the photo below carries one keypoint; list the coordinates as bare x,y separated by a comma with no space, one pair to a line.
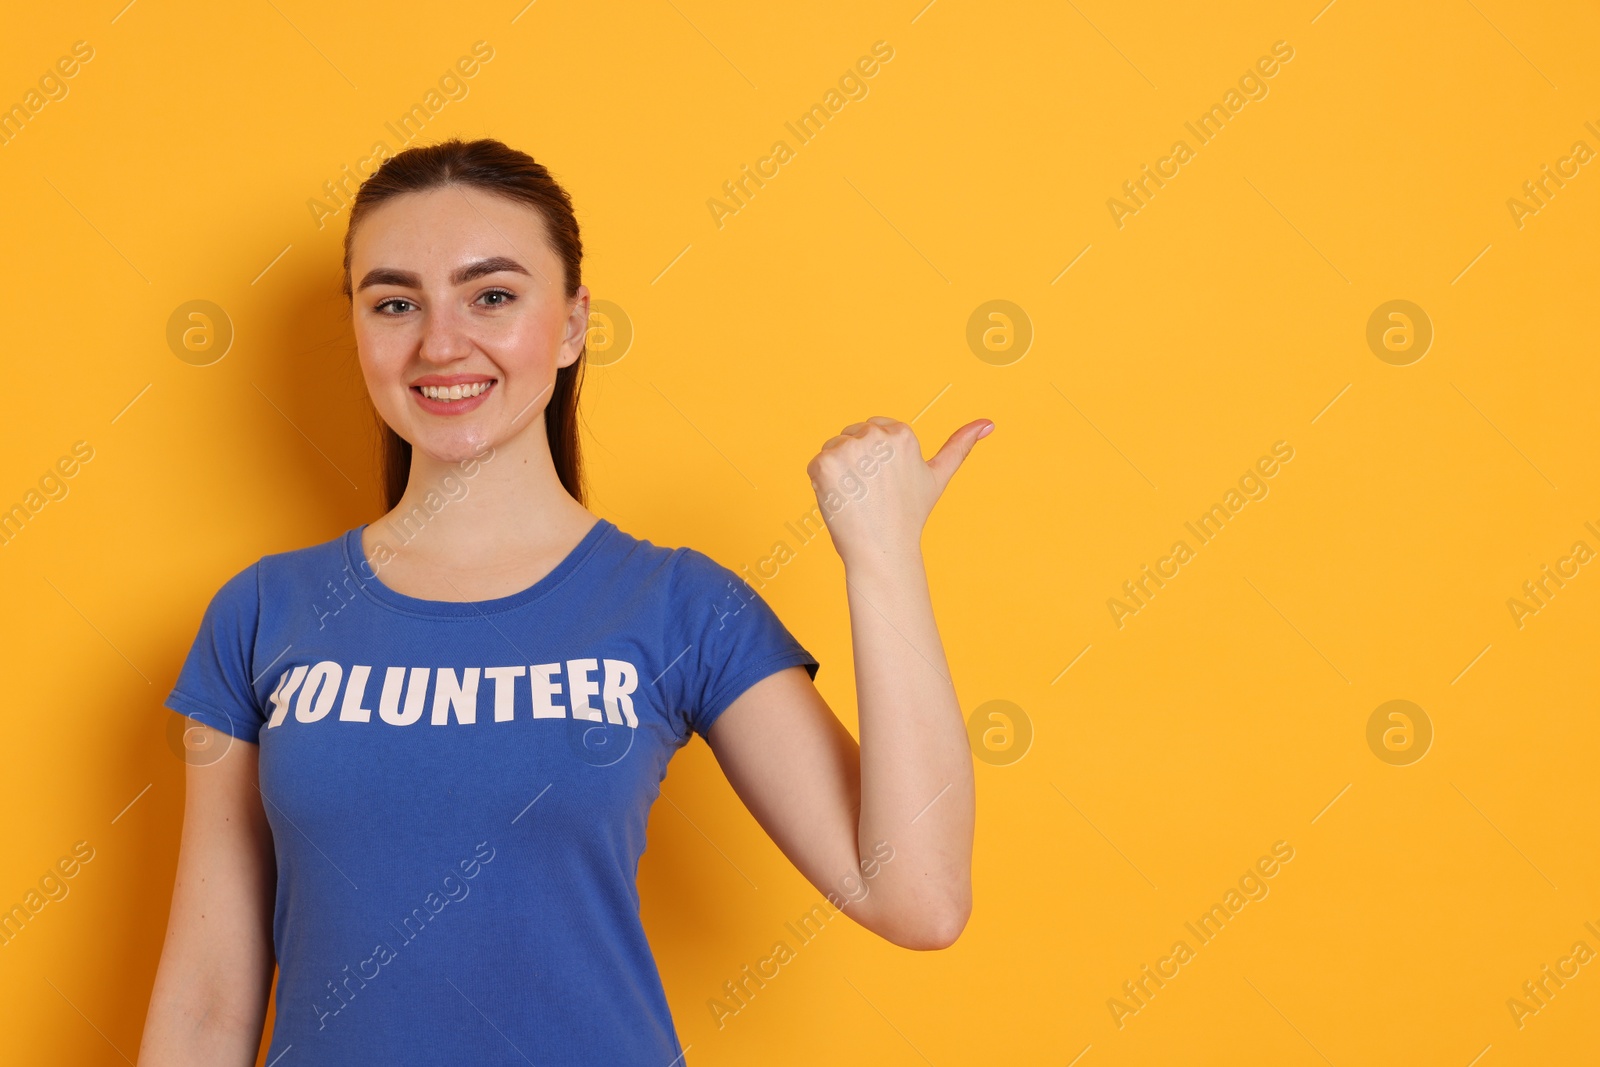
434,740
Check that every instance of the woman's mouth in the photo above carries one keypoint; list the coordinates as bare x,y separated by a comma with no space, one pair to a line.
452,399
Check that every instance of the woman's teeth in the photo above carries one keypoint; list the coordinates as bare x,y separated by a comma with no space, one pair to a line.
453,392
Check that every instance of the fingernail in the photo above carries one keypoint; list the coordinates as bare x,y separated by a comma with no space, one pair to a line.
986,431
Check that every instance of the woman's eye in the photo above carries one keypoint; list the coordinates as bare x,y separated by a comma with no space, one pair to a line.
398,305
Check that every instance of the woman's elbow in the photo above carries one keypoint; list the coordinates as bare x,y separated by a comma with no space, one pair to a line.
926,930
943,932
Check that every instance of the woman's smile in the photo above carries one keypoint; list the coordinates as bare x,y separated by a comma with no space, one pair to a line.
452,394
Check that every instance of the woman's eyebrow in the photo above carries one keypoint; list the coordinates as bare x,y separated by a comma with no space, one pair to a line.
463,275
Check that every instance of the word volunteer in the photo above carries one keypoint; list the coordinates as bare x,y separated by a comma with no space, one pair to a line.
313,689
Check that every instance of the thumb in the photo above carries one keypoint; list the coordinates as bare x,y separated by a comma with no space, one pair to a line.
945,461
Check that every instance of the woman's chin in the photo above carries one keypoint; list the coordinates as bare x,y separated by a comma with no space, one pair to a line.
454,447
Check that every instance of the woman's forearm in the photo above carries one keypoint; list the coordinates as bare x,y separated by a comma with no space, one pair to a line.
916,765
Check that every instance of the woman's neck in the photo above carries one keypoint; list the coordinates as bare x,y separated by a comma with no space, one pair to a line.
481,523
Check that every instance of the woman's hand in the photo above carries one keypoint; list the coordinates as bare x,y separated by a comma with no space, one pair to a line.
876,491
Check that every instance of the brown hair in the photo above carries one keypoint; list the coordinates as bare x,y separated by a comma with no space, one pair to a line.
492,167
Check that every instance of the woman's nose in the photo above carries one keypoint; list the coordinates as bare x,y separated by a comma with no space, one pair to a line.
445,336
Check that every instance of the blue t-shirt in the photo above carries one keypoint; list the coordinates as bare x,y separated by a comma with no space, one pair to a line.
458,792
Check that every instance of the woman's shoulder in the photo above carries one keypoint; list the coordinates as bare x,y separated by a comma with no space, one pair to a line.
325,560
680,567
328,558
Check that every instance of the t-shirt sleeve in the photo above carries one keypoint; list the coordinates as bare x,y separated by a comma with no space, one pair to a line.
731,637
215,686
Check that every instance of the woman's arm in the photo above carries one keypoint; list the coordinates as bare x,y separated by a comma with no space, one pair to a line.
885,827
211,989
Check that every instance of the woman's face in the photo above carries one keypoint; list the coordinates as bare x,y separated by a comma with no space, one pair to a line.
456,292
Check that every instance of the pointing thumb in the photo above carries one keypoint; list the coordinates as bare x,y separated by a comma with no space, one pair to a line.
950,456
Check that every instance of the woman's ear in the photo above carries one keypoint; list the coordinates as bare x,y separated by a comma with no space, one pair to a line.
577,331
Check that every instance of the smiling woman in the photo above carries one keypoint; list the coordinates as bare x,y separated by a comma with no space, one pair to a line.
489,185
521,650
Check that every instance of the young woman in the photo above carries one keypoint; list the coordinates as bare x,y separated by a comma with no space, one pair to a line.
432,742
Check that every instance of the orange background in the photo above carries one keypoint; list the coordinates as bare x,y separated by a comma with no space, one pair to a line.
1229,313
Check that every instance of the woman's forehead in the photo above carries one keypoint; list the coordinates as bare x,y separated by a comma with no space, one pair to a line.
450,226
